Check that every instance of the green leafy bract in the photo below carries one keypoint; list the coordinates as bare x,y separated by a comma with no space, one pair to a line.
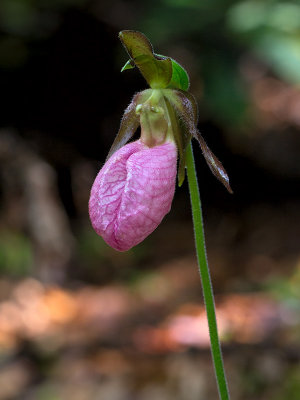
156,70
129,65
180,78
159,71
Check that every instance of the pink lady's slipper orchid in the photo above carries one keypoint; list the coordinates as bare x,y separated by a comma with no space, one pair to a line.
134,189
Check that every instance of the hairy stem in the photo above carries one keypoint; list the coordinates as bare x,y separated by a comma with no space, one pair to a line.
205,275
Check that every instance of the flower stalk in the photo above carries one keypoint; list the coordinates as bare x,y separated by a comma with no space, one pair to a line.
205,275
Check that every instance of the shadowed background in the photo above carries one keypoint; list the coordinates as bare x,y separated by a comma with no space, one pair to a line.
80,320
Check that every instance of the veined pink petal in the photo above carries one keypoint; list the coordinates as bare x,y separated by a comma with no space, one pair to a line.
132,193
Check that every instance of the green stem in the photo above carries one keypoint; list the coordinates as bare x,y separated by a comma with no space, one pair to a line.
205,275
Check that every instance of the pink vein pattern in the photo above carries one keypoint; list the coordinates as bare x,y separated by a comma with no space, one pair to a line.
132,193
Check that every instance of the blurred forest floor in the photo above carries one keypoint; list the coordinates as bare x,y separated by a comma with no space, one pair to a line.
144,335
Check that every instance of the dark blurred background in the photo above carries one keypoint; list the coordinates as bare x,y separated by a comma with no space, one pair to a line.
80,320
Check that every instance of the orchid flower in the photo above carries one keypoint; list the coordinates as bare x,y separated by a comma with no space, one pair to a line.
134,189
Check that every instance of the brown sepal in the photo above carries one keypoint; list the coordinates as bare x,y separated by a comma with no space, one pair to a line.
186,107
129,124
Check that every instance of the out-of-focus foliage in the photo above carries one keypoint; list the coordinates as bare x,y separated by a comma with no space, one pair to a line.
22,21
15,254
221,35
272,29
33,18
